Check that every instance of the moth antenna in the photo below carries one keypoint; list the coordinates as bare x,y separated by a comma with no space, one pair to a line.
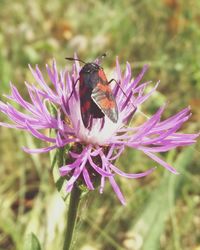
103,55
74,59
100,58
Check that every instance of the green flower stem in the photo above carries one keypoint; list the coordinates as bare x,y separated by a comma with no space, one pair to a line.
72,217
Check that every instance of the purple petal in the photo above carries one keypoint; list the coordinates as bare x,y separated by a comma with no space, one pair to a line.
162,135
64,170
74,155
142,86
102,185
39,78
87,179
39,150
18,98
7,125
110,152
124,104
117,190
168,123
116,156
131,176
137,79
32,89
142,99
161,162
147,126
96,152
160,149
75,175
3,107
98,169
59,141
67,168
18,116
119,74
53,75
39,135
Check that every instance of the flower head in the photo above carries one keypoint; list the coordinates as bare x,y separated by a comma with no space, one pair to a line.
94,150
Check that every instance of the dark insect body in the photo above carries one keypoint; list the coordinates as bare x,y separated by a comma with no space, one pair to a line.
96,98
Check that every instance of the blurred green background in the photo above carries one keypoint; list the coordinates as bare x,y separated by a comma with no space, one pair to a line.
163,210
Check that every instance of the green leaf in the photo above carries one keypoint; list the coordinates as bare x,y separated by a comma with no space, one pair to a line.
31,242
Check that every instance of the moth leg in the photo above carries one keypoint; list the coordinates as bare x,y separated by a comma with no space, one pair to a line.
122,91
90,122
102,123
73,90
114,81
130,116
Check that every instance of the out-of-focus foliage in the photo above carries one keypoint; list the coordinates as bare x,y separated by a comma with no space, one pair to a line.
163,210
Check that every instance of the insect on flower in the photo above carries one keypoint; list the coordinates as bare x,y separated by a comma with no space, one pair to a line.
94,146
96,97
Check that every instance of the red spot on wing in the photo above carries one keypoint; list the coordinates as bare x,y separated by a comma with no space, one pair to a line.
83,90
104,88
102,75
86,106
105,103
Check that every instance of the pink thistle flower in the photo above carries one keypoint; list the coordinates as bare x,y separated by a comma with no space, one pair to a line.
94,150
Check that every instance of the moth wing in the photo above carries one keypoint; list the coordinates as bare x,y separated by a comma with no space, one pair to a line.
85,104
104,99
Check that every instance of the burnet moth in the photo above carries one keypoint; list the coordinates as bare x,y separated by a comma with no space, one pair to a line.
96,97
